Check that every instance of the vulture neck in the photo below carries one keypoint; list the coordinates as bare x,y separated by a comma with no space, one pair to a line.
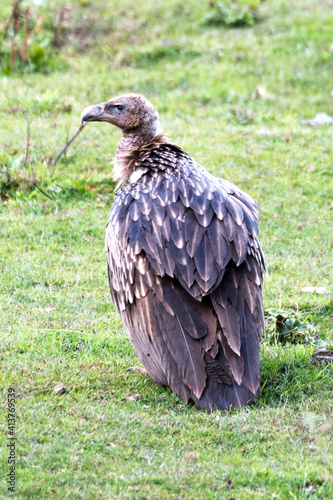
132,145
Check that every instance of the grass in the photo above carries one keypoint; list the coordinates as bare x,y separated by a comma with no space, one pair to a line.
57,321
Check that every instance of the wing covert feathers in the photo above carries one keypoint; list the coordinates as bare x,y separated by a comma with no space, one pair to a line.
185,272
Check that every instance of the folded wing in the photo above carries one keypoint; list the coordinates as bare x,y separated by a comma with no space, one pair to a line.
185,272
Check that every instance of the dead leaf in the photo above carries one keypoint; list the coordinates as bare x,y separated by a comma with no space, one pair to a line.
132,397
322,356
47,160
60,389
110,446
261,93
138,369
190,456
243,116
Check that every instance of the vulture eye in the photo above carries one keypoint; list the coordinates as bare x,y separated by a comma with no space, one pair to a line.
120,107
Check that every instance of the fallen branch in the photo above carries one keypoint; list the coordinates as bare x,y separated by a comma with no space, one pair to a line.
27,144
67,144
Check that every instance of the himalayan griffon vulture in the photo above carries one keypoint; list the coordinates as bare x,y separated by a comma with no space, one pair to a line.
184,263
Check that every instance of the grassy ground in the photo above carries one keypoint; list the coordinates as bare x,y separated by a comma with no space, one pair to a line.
57,322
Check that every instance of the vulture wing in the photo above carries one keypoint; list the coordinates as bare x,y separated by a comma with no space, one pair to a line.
185,272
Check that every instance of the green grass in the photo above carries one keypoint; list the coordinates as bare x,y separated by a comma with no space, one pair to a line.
56,318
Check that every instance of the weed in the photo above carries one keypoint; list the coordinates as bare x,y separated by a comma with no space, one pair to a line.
27,44
289,326
233,13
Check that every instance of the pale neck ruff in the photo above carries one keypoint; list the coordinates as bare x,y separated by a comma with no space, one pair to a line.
123,167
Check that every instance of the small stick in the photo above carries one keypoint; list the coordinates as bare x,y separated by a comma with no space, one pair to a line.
27,34
67,144
27,145
43,192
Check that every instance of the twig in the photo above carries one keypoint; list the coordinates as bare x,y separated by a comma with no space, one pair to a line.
27,145
67,144
27,34
43,192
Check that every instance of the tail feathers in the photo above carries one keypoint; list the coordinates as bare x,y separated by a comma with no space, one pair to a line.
206,351
224,397
222,391
250,352
163,357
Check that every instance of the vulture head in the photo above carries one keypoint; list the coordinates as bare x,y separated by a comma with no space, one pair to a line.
132,113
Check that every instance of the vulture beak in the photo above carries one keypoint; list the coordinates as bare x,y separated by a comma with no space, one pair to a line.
93,113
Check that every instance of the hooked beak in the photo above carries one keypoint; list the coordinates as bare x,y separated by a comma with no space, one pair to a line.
94,113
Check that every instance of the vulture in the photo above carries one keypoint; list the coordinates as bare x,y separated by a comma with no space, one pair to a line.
184,263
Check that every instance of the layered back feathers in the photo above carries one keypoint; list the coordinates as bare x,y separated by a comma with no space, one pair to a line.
185,272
